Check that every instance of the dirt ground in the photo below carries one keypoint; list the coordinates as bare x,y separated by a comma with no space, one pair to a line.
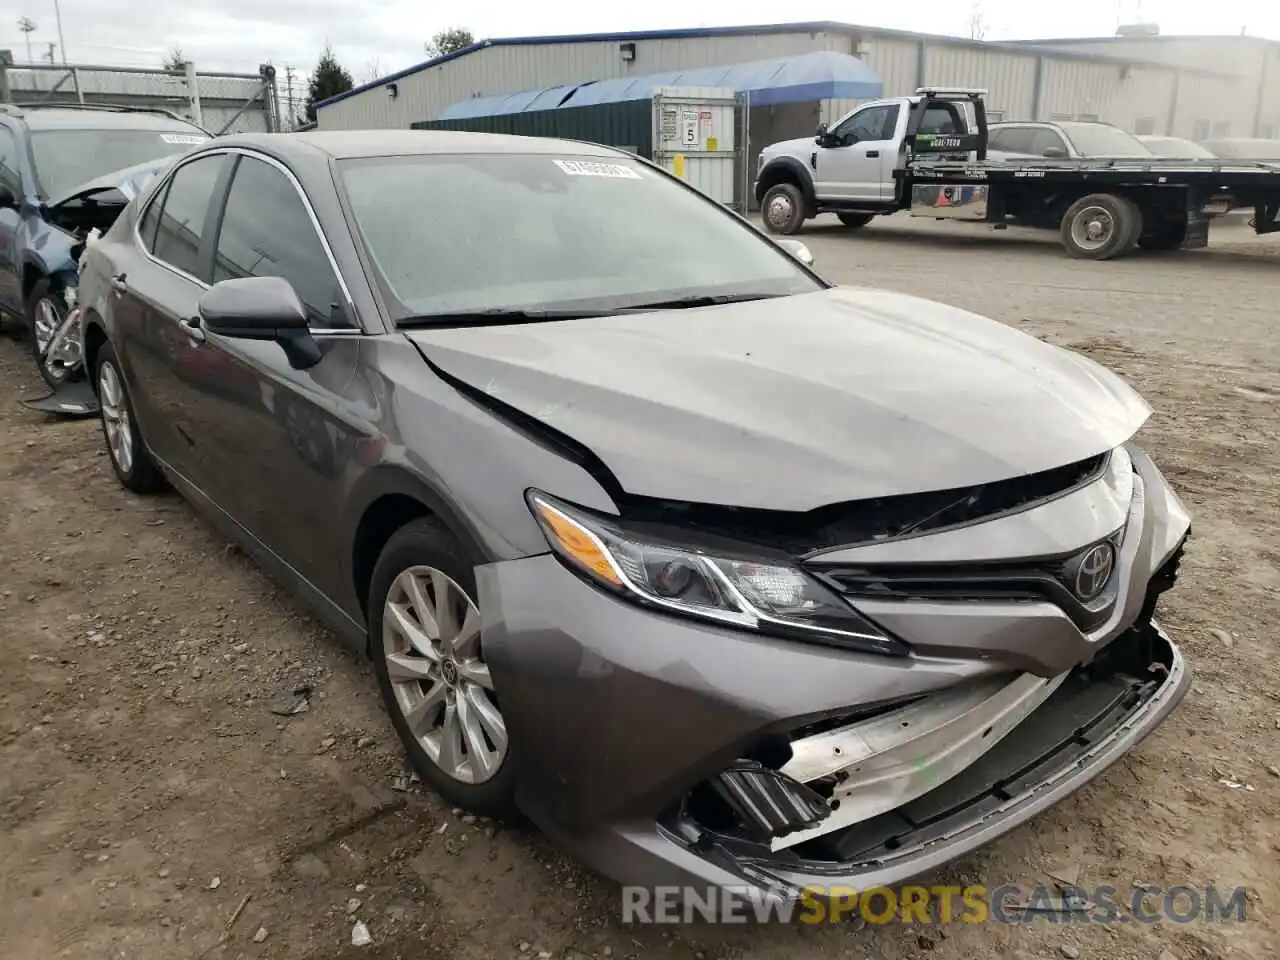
153,806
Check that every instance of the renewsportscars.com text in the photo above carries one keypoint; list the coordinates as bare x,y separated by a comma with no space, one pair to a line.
1007,904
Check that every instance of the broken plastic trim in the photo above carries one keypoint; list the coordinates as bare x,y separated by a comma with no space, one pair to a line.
770,803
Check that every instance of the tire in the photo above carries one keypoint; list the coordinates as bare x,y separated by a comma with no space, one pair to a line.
1136,227
856,220
783,209
424,552
1099,227
45,307
134,467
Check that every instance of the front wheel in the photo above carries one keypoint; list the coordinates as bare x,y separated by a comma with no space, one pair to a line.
428,653
1100,226
47,308
856,220
783,208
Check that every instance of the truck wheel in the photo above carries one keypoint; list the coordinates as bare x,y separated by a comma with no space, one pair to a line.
856,219
1136,226
1099,227
783,208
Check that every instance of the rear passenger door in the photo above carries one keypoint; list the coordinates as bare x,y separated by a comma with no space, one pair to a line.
156,287
272,440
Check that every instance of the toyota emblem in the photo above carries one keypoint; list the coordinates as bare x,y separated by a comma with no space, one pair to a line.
1093,571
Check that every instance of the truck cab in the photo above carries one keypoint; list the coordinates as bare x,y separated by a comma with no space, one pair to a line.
850,167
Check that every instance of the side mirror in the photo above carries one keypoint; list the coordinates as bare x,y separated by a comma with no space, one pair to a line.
1054,153
8,199
822,133
261,308
796,249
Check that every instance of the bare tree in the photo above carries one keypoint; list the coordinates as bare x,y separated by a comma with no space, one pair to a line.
977,22
176,60
449,41
372,71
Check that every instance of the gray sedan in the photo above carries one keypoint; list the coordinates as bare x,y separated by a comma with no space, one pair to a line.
722,575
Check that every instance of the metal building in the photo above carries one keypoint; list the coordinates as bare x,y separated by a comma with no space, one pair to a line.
1024,81
1255,108
220,102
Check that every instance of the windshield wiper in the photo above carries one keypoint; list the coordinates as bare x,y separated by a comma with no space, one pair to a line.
685,303
492,317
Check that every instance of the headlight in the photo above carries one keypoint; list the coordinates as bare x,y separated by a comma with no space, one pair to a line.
762,595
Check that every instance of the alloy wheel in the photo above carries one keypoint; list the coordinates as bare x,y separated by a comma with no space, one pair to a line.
441,684
46,324
115,417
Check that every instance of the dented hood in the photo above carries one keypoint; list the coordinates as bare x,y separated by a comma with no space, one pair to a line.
797,402
130,181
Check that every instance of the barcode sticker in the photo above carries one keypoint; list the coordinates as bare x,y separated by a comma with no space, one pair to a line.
587,168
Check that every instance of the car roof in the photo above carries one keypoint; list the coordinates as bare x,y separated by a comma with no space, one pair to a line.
69,118
354,144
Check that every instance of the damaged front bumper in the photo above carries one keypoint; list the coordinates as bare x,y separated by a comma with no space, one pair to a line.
670,752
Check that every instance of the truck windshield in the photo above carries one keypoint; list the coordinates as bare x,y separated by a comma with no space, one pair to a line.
65,159
1103,140
547,234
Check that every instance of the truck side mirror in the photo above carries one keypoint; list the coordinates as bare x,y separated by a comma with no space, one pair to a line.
821,136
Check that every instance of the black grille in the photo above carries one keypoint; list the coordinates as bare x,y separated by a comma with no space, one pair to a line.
1043,580
862,521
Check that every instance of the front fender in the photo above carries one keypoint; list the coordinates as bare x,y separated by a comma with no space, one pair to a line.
785,169
48,250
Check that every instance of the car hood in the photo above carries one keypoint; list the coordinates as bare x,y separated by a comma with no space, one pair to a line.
788,147
796,402
130,181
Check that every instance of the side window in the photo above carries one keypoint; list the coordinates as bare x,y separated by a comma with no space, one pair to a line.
9,166
267,232
1012,140
151,219
183,215
873,123
1043,139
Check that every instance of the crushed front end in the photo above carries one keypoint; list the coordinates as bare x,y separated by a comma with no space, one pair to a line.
1023,659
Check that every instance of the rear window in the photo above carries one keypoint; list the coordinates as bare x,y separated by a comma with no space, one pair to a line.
67,158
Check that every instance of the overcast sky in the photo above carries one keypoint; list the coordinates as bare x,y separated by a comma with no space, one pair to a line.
237,35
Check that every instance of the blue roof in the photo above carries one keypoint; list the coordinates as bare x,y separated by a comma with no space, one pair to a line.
820,75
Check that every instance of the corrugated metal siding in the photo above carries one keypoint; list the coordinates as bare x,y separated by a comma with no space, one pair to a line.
895,60
1009,78
506,69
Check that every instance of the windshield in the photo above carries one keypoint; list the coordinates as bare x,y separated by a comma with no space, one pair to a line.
1102,140
65,159
537,232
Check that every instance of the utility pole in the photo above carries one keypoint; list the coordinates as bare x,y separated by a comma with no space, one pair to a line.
288,95
51,55
27,26
62,43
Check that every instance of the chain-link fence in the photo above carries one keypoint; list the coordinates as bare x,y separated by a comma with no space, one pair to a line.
219,102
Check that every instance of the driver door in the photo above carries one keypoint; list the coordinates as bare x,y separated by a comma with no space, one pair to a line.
858,162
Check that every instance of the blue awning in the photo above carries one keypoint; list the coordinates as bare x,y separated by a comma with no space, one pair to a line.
820,75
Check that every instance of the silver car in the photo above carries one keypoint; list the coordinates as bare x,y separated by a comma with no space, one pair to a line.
723,575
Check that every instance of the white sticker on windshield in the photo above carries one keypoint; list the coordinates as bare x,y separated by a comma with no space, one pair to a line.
587,168
182,138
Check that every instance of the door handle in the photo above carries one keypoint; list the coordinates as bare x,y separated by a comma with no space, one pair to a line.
118,283
873,153
191,326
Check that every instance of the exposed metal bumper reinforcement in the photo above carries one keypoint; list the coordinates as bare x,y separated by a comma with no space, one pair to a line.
875,765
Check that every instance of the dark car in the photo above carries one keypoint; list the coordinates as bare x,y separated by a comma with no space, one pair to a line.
53,161
724,576
1062,139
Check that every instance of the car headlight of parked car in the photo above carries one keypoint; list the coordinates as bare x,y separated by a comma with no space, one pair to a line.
768,596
